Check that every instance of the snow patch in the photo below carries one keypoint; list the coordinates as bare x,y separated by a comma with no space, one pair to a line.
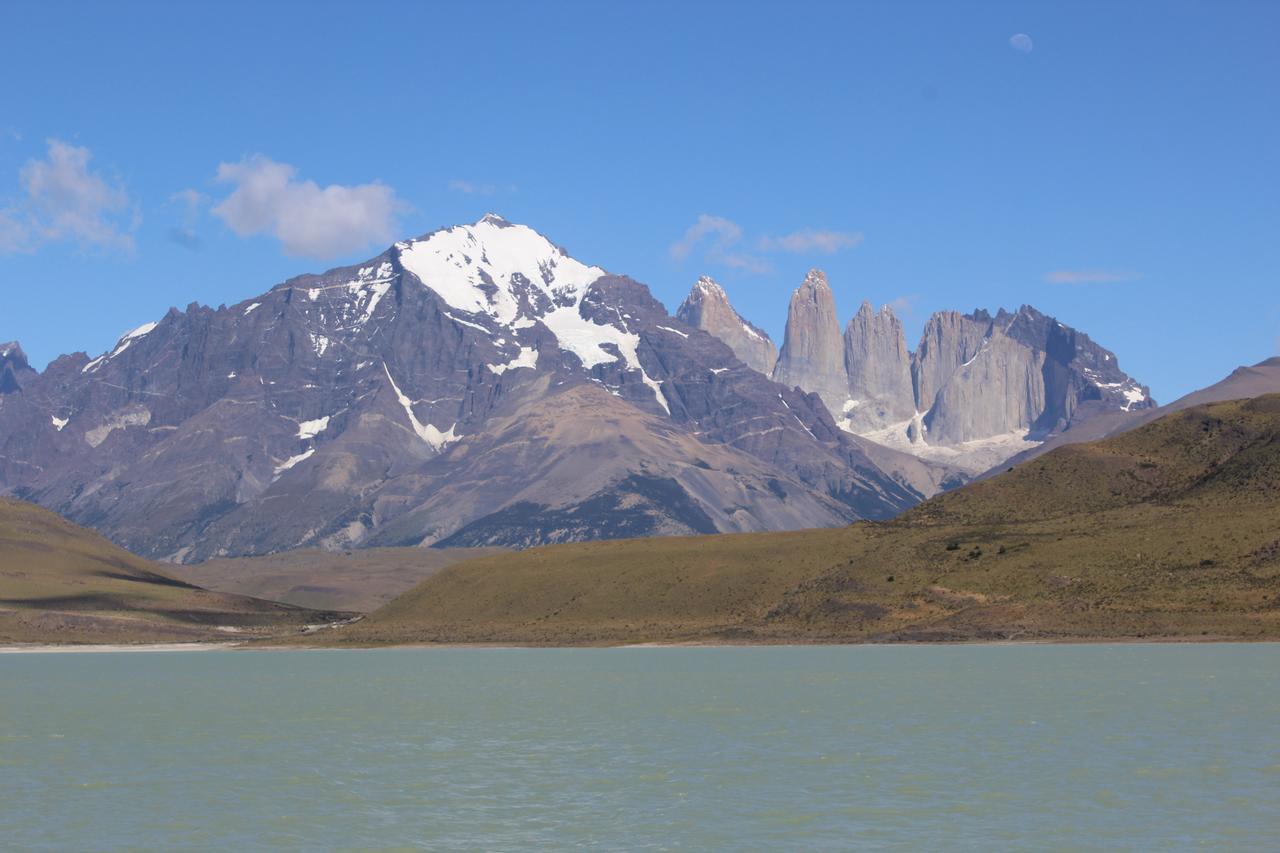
251,308
1133,396
585,339
126,340
527,357
310,429
294,460
467,323
674,331
58,423
427,432
120,420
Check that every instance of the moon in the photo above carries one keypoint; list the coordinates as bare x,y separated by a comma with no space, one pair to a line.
1021,42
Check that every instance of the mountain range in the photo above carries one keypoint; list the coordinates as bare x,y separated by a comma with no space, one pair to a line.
480,386
977,389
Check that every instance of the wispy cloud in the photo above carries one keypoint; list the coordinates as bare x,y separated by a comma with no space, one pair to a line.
905,305
307,219
471,188
1090,276
720,239
63,199
191,203
723,233
717,237
1021,42
746,263
812,240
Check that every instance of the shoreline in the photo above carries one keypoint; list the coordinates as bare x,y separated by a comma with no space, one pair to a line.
108,648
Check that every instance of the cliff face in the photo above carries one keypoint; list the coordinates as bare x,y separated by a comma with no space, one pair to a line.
976,383
878,366
707,307
812,355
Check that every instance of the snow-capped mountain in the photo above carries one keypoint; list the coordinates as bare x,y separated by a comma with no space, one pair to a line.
475,385
977,390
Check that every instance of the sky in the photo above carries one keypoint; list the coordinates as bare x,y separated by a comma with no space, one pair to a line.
1114,164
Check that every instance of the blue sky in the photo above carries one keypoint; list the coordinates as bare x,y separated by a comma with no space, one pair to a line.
1116,166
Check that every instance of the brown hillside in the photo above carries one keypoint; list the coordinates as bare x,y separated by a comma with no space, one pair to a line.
61,583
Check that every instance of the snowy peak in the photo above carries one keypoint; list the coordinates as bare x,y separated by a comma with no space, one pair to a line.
496,269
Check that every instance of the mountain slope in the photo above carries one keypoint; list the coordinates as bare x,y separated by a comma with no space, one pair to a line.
1243,383
62,583
1168,531
332,410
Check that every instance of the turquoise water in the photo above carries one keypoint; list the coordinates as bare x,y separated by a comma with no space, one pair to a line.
974,747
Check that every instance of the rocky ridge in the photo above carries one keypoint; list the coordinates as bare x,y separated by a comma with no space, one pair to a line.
977,389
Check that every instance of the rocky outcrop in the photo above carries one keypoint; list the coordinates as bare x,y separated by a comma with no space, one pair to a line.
1022,373
812,354
949,341
707,307
14,369
878,364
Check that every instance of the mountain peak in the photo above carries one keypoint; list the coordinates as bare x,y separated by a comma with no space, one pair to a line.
708,285
497,268
707,307
815,278
494,219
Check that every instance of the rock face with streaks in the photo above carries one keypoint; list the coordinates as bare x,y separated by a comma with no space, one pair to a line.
976,390
878,365
812,354
475,385
707,307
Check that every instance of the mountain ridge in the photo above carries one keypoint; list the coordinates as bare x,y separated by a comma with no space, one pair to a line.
321,412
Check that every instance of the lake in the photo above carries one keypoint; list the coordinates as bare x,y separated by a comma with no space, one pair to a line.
899,747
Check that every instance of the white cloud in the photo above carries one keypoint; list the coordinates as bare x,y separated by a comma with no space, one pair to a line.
1089,276
812,240
64,200
307,219
1021,42
724,233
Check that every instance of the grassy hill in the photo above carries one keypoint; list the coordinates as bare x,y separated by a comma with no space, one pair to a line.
361,580
1169,531
61,583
